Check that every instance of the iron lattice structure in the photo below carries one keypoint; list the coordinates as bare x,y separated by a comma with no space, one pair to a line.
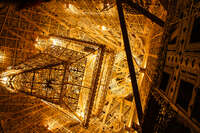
60,73
52,49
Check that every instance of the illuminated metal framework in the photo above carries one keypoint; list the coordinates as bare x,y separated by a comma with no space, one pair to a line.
30,114
51,82
38,46
69,76
174,102
60,73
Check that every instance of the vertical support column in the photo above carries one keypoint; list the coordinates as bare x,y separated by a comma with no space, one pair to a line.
130,61
104,81
96,75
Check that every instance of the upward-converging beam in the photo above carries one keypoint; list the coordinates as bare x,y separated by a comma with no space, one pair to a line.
130,61
96,76
146,13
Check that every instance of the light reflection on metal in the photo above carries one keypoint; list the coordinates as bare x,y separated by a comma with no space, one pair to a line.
40,76
2,57
73,9
56,42
81,114
10,72
4,80
52,124
103,28
79,20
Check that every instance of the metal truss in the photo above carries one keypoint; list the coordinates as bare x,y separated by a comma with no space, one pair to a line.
58,72
30,114
130,62
52,46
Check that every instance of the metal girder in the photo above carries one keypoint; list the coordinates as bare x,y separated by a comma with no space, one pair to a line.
32,22
66,83
77,40
44,67
94,85
17,35
145,12
130,61
50,65
54,17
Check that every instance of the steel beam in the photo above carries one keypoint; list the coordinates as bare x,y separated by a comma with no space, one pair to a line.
94,85
130,61
54,17
17,35
32,22
82,42
145,12
43,67
65,83
50,65
51,100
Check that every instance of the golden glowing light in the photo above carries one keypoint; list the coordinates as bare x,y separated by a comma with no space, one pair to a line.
81,114
43,43
38,44
2,57
103,28
52,124
73,9
4,80
10,72
56,42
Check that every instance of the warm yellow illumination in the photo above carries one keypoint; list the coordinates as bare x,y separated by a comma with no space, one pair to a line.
56,42
38,44
2,57
81,114
73,9
10,72
103,28
4,80
51,124
138,61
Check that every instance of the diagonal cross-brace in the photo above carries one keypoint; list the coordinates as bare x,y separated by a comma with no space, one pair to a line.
145,12
130,61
